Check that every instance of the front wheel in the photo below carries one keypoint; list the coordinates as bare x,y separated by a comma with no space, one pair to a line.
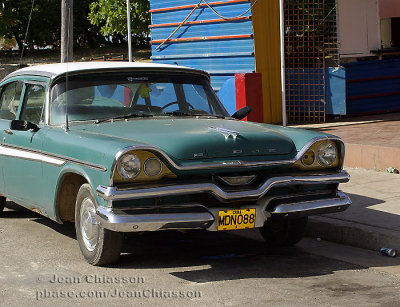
98,245
2,204
284,232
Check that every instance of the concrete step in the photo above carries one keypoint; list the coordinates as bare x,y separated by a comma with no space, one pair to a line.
352,233
373,219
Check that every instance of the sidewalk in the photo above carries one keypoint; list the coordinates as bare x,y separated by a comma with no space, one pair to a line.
373,219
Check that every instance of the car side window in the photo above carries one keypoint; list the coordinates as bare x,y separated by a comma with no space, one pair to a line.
33,103
9,100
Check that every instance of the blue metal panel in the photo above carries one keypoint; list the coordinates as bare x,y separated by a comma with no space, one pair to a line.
199,30
210,47
227,95
203,13
161,4
218,80
366,69
199,14
335,91
372,86
215,64
222,58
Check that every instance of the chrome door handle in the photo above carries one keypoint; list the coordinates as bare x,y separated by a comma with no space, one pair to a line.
7,131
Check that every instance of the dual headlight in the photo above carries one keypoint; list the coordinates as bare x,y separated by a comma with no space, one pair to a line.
325,153
130,166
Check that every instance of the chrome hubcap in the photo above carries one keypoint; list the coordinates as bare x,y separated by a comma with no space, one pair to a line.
89,225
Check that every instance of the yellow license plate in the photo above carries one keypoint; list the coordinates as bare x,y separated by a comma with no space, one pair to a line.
236,219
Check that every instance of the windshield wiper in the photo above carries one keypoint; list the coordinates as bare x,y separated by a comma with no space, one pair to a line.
183,113
131,115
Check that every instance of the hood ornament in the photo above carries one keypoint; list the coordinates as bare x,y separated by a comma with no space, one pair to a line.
226,132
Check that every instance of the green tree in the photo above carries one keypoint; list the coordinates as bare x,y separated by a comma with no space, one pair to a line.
45,24
110,16
43,30
85,33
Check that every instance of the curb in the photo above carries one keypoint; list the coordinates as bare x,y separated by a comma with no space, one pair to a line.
371,157
354,234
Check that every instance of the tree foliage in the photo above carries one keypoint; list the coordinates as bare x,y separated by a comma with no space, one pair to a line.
43,30
85,33
110,16
45,25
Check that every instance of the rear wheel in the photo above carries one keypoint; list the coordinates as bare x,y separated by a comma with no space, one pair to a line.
284,232
99,246
2,204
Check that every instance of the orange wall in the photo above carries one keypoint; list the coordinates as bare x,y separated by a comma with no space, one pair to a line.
267,53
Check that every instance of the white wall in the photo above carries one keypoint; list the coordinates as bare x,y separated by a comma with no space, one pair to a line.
358,27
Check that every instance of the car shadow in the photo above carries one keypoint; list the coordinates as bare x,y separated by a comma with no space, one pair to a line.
362,211
67,229
18,212
202,256
364,201
210,256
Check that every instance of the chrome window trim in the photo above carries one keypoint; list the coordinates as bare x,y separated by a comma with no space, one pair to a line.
62,160
22,103
222,165
112,193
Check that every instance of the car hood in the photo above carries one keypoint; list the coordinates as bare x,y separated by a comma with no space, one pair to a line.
197,138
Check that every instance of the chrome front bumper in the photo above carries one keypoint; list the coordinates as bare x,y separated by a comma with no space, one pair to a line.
121,221
113,193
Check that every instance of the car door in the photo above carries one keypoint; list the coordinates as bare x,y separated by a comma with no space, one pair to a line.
22,162
10,94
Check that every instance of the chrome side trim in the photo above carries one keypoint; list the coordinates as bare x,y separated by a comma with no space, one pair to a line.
112,193
220,165
42,156
337,204
32,156
116,220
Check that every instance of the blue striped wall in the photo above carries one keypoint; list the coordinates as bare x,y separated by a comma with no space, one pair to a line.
372,86
222,58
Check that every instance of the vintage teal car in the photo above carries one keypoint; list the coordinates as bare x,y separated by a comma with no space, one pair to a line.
132,147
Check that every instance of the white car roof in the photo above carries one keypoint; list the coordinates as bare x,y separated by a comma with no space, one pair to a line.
54,70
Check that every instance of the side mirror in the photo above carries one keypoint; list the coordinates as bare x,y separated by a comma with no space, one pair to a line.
23,125
242,113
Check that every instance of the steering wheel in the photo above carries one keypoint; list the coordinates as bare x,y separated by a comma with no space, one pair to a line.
176,102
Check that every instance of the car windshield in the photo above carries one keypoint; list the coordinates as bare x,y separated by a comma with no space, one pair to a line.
106,96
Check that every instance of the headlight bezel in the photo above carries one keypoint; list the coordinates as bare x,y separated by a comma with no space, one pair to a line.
143,156
316,165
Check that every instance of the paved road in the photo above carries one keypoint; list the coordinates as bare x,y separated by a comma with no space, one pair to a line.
41,265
